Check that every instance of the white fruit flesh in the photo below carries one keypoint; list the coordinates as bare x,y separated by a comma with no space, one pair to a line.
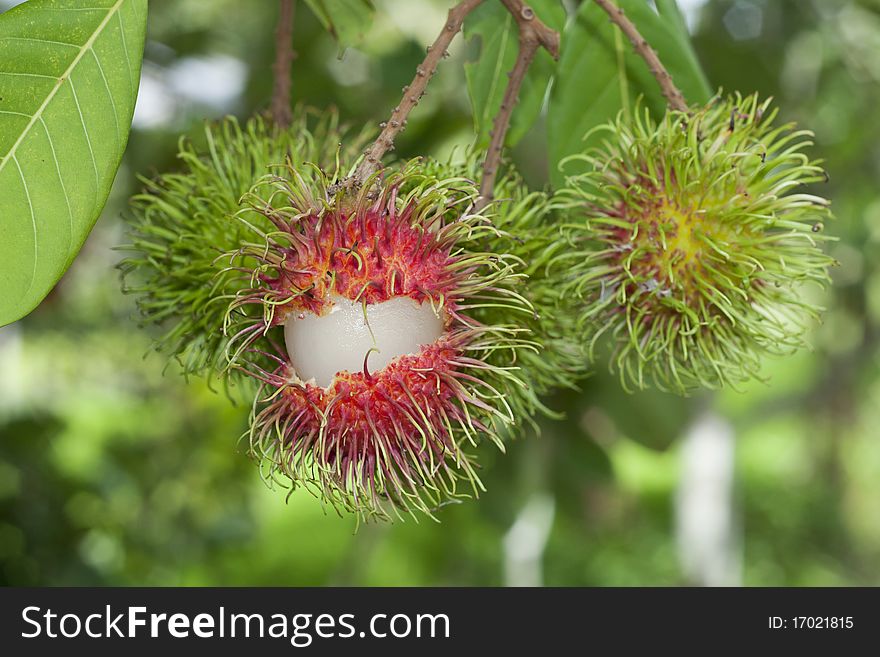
321,346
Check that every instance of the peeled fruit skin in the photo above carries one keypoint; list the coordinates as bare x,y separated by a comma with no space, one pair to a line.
353,337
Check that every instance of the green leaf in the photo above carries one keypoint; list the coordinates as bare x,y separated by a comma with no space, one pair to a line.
652,418
599,73
495,30
346,20
69,74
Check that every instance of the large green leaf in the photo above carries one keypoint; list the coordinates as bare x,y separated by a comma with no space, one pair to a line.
69,73
346,20
495,30
599,73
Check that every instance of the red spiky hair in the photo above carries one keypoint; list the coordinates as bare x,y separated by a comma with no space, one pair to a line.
396,434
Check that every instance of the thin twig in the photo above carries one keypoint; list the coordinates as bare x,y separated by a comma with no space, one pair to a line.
284,56
533,34
672,94
501,124
413,93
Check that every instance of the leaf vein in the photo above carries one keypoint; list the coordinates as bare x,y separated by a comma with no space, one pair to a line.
49,41
109,95
27,194
54,9
100,28
125,50
82,120
63,187
29,75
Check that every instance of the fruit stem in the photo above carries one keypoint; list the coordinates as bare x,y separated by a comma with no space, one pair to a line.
414,92
672,94
284,56
533,34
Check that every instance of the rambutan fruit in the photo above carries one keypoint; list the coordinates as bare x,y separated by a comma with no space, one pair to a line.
529,228
689,241
386,331
184,221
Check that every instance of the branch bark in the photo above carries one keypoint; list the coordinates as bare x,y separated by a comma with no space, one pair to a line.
533,34
413,93
280,107
674,98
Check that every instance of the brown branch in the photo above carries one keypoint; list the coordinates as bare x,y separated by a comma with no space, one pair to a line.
413,93
284,56
672,94
533,34
501,124
532,27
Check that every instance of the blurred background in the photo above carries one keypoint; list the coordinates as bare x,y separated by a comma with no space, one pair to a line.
114,470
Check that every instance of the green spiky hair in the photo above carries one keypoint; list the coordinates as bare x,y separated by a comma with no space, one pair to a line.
398,439
184,221
529,228
689,241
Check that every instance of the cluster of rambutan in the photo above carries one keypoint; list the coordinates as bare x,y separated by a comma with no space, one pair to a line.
389,329
389,326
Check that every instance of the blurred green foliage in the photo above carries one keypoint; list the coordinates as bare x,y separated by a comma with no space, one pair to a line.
114,470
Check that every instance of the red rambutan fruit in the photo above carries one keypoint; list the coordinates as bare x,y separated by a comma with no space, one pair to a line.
364,324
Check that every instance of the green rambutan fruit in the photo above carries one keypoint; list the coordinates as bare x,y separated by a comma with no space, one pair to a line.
688,241
529,229
184,221
388,333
